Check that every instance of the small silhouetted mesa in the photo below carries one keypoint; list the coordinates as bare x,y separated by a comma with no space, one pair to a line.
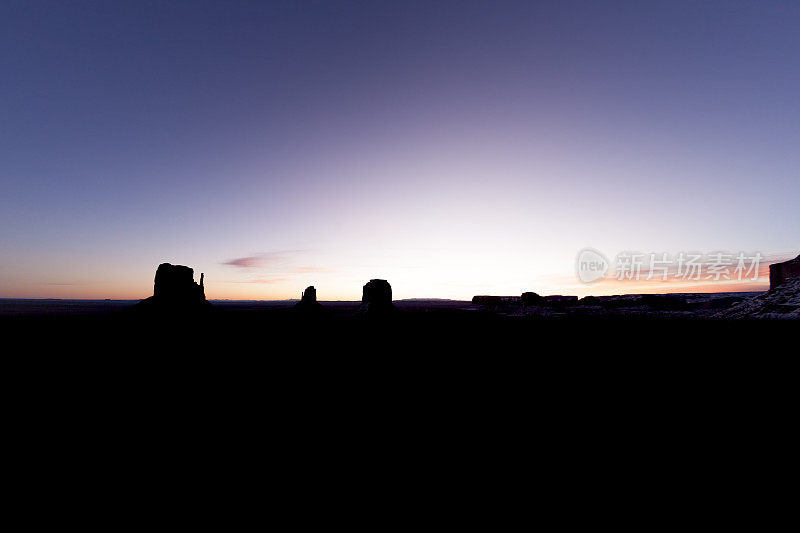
531,298
308,299
527,299
377,296
174,287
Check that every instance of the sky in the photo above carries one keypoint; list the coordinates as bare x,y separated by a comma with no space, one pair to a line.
452,148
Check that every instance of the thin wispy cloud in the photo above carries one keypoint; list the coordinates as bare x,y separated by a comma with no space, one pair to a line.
274,267
262,260
247,262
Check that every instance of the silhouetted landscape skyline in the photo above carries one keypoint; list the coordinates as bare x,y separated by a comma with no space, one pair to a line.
399,244
453,148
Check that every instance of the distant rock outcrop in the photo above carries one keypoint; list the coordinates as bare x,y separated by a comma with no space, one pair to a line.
590,300
495,301
377,296
780,272
526,299
308,299
558,299
174,287
530,298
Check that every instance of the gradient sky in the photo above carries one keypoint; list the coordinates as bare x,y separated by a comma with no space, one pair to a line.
453,148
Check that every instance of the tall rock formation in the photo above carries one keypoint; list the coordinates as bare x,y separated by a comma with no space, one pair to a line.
174,288
779,273
308,300
176,283
377,296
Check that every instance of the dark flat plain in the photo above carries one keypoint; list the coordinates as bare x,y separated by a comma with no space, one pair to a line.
446,351
418,328
430,390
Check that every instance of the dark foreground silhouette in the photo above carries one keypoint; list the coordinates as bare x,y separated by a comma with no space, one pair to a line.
429,389
413,330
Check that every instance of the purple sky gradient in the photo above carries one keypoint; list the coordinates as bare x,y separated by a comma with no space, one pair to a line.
453,148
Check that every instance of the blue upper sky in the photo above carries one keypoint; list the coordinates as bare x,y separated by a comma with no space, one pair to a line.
451,147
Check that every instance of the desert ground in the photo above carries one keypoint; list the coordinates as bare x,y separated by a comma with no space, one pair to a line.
627,326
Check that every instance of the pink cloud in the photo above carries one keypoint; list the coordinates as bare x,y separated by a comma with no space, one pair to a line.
246,262
262,260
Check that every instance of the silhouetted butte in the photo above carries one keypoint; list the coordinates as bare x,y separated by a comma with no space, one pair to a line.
377,297
174,288
308,300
